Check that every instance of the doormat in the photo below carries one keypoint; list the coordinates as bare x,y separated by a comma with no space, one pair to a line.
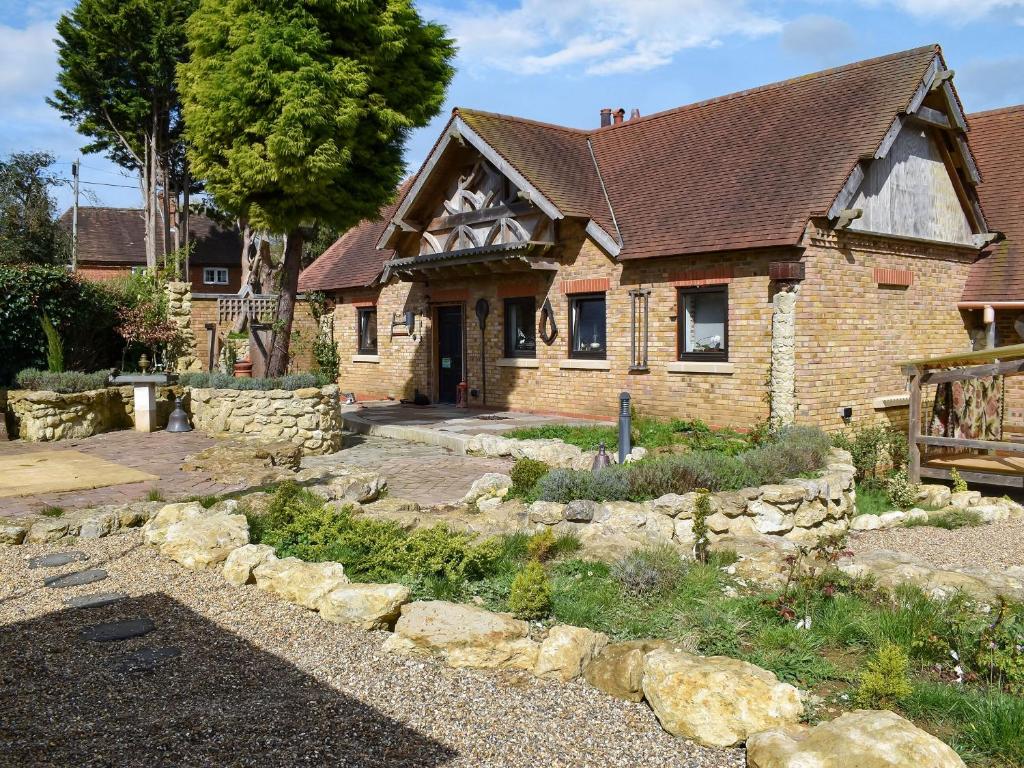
56,471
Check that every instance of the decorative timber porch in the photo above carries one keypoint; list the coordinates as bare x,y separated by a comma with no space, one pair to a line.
987,461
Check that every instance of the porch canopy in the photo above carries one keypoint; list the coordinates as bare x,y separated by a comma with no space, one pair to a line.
996,462
495,259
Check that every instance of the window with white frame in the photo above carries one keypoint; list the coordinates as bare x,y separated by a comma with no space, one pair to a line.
215,276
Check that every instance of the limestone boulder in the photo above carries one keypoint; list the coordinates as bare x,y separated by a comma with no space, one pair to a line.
581,511
202,542
246,461
364,606
934,496
865,523
892,519
463,636
12,533
676,504
297,581
492,485
715,700
567,651
761,559
99,524
357,487
546,512
619,669
810,513
241,562
863,738
964,499
785,497
991,513
45,531
155,530
391,505
769,518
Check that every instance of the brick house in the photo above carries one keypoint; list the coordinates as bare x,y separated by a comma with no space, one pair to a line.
774,252
111,244
994,294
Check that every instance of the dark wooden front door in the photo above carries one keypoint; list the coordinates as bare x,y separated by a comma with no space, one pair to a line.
449,353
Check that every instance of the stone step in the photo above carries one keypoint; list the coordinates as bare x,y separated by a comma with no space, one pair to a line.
95,600
56,559
112,631
76,579
145,659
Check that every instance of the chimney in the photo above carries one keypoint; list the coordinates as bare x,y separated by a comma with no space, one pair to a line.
606,117
620,115
634,113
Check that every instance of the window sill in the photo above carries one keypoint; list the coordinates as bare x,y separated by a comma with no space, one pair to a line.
582,364
365,358
695,366
891,401
519,362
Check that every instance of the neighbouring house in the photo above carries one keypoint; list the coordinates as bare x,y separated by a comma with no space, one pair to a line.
770,253
111,244
994,294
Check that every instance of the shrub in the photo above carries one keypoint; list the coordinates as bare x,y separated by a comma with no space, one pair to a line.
886,681
224,381
717,471
525,474
902,493
530,595
959,484
701,513
1001,650
64,382
950,521
874,449
650,571
565,485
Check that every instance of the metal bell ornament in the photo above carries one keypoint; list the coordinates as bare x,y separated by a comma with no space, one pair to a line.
178,420
601,461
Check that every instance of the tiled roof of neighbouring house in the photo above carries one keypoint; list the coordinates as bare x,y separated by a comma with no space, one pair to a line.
997,140
740,171
114,236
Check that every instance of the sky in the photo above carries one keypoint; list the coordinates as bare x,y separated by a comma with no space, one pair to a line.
561,61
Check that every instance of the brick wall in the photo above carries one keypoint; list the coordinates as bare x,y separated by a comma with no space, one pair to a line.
851,333
854,328
101,274
234,283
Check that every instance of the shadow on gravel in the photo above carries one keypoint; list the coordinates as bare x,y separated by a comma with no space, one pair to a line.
188,693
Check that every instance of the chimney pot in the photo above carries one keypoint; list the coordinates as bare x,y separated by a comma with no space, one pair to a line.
620,115
634,113
606,117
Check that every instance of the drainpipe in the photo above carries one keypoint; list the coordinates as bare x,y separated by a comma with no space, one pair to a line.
988,316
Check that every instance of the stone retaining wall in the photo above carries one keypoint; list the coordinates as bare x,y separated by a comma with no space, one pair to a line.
308,417
43,416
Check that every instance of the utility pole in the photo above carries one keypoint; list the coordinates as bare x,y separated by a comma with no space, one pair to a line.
75,168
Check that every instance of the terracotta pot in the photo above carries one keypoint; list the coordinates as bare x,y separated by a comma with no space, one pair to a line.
243,369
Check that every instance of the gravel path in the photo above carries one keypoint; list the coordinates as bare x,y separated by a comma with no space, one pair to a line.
260,682
992,546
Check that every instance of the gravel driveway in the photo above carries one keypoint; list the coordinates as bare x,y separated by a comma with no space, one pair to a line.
992,546
241,678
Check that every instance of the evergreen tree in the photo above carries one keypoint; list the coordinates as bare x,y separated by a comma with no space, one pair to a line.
297,112
29,232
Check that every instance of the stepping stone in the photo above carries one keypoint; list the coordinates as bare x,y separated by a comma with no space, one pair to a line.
55,559
146,659
76,579
94,600
112,631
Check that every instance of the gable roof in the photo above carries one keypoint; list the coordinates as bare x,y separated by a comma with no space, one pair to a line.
117,236
997,139
741,171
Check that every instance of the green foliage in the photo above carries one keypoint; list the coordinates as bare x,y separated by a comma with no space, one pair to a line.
902,493
1000,655
155,494
52,511
701,513
872,498
545,545
64,382
650,571
29,230
950,520
299,524
54,345
530,595
647,433
224,381
84,314
792,453
525,474
875,449
959,484
886,680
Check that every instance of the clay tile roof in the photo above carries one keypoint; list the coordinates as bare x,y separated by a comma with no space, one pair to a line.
997,141
353,260
117,236
740,171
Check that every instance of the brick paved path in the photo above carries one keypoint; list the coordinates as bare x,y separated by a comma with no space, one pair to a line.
158,453
425,474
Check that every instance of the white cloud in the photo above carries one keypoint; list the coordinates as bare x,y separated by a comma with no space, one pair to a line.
28,60
597,36
951,10
823,38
